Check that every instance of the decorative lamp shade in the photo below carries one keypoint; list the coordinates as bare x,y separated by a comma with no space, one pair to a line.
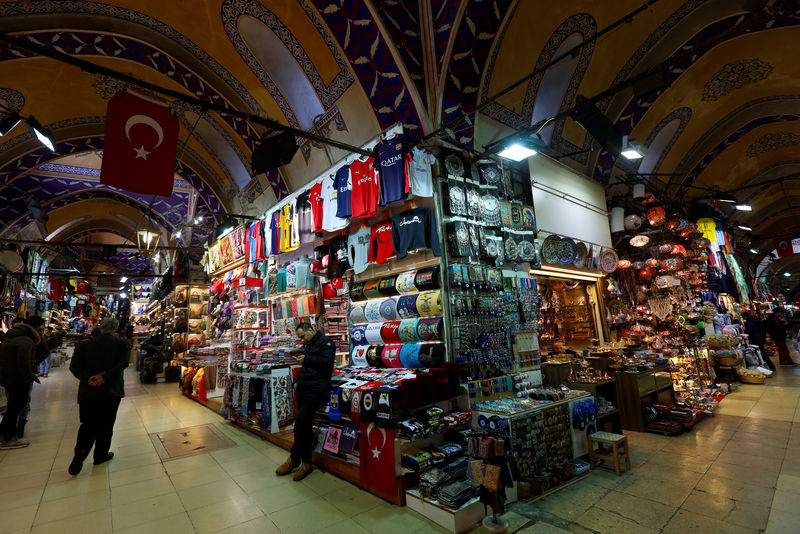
638,265
656,216
672,222
638,190
623,264
632,222
147,240
664,282
702,242
682,223
678,250
617,219
647,273
639,240
691,228
666,248
672,264
653,262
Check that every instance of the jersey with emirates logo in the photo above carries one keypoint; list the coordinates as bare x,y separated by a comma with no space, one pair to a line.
364,196
381,245
393,171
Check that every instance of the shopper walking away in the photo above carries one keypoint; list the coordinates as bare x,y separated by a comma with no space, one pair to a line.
98,364
312,387
17,364
42,355
776,328
46,344
754,328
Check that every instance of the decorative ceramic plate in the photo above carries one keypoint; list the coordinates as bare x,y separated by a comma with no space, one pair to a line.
454,165
580,257
568,251
608,260
551,249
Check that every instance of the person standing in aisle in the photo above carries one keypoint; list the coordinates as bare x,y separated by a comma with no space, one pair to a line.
776,328
98,364
17,373
312,388
754,328
42,357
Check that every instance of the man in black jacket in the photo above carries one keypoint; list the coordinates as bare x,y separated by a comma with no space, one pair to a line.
17,365
98,364
312,386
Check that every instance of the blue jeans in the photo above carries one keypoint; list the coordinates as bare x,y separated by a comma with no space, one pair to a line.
44,367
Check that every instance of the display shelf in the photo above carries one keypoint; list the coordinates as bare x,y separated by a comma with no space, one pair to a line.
635,390
453,519
292,292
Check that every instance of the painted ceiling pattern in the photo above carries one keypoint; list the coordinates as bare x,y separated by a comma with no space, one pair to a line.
390,56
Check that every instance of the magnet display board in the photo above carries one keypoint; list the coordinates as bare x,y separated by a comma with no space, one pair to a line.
568,204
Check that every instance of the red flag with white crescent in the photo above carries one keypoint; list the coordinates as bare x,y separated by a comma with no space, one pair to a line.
784,247
376,451
141,141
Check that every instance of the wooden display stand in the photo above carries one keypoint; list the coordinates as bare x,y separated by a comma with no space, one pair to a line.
610,420
635,390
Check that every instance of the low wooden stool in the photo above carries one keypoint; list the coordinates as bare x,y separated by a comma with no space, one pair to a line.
609,443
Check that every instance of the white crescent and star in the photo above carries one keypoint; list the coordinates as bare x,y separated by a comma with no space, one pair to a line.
148,121
376,452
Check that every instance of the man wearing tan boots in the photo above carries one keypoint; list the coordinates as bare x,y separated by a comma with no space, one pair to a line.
312,388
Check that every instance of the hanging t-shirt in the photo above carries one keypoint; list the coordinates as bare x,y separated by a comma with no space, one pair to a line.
358,245
266,238
364,199
330,221
304,277
419,172
286,227
315,200
414,229
303,218
253,236
339,252
393,172
381,246
276,233
344,185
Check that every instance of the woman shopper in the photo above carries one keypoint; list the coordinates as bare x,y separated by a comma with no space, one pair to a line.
776,328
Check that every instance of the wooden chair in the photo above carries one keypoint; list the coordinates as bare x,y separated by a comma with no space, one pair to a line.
612,447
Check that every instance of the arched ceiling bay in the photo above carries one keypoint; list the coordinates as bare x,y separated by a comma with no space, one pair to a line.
349,68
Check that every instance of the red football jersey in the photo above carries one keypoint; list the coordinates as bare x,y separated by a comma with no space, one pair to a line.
315,198
364,196
380,246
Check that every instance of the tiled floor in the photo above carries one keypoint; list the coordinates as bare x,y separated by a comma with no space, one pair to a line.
737,472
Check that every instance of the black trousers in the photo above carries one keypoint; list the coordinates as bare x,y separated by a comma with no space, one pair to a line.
97,426
308,400
16,402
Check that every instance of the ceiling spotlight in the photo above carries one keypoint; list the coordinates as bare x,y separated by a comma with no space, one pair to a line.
123,279
745,228
276,149
44,135
9,122
198,220
516,152
787,274
754,251
177,234
226,227
743,207
630,150
123,295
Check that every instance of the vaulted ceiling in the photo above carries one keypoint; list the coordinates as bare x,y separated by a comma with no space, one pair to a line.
727,118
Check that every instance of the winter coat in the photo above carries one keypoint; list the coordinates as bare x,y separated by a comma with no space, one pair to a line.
104,354
18,355
320,354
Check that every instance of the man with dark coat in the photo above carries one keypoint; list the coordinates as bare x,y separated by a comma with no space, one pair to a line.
98,363
42,354
17,364
312,386
776,328
757,334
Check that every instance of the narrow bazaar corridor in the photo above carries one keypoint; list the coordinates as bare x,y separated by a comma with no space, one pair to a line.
737,472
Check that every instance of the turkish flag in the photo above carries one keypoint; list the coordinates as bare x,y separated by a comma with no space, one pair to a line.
140,145
784,248
376,451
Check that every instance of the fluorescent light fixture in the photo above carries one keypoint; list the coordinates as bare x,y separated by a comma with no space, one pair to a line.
9,122
744,207
722,197
556,272
123,279
631,153
44,135
516,152
754,251
787,274
745,228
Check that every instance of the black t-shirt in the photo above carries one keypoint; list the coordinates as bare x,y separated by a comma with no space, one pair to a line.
304,218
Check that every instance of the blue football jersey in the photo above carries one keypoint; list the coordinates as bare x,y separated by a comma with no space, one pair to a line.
344,185
393,171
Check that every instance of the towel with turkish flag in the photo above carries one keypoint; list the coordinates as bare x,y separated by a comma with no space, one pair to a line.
141,141
376,450
784,247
